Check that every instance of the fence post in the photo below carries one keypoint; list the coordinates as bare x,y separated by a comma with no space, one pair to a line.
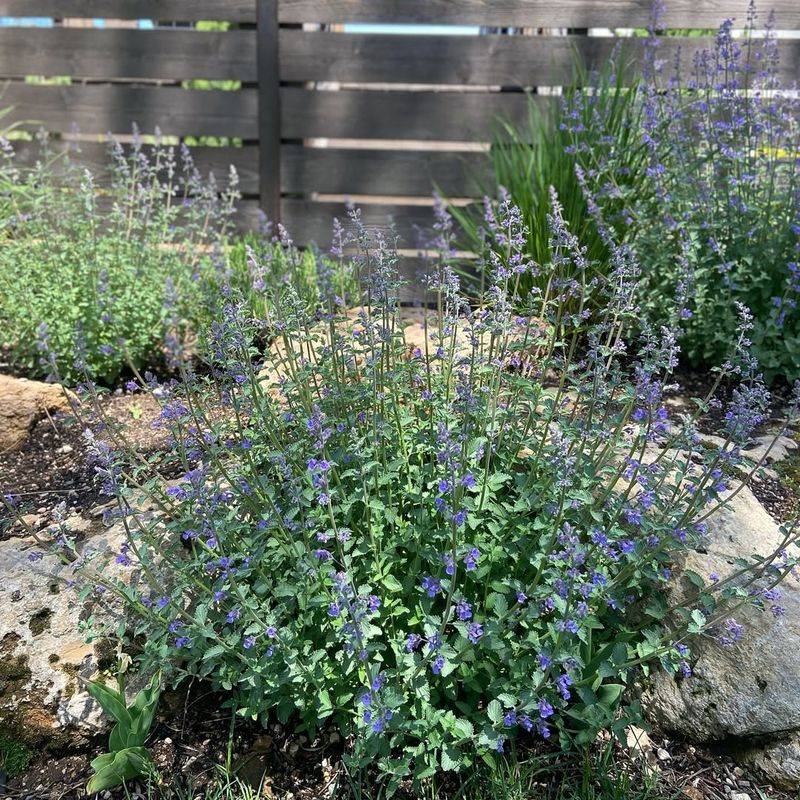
269,109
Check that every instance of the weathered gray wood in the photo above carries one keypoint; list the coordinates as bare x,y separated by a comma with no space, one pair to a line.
183,54
269,109
113,109
453,116
534,13
310,221
164,10
177,54
95,156
381,172
475,60
307,170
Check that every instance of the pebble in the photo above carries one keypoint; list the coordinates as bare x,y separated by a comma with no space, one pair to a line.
739,796
66,448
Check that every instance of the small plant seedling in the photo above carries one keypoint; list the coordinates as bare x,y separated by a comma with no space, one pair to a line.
127,757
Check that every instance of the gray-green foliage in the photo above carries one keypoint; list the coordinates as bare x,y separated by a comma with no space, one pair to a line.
441,546
94,273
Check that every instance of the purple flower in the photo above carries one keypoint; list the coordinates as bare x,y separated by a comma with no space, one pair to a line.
249,642
545,709
449,564
437,665
474,632
432,586
471,559
544,661
412,642
463,610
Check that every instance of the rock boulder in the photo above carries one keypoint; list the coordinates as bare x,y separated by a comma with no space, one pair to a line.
22,404
747,692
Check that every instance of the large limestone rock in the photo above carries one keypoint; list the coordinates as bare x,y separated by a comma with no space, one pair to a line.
750,691
22,404
43,652
776,762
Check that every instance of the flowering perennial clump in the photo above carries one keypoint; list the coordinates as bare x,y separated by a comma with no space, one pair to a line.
439,537
717,219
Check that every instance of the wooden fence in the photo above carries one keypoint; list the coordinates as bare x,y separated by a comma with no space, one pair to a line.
398,113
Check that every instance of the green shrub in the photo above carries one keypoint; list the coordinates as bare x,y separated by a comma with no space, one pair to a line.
435,538
94,273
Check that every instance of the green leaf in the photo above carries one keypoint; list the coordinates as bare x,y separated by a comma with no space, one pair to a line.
495,712
463,728
213,652
450,759
392,584
123,766
111,702
609,693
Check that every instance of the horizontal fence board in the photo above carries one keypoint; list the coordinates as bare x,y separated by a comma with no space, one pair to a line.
499,13
535,13
381,172
112,109
96,156
123,53
310,221
166,10
476,60
306,169
322,56
449,116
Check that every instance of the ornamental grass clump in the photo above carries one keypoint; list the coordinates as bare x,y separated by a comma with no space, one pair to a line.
95,271
439,537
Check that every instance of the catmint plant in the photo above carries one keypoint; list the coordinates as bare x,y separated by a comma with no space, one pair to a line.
96,274
719,221
437,537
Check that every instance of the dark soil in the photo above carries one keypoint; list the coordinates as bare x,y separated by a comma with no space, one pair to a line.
54,465
192,740
50,468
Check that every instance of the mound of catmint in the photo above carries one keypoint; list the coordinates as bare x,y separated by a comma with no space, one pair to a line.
436,536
